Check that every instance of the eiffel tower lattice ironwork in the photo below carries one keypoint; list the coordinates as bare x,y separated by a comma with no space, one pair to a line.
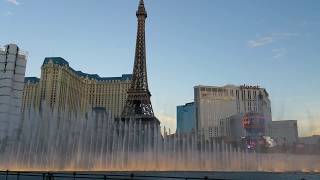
138,104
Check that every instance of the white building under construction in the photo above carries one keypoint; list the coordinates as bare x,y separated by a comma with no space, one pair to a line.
12,73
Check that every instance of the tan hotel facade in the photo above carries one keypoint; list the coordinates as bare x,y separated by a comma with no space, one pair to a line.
215,106
61,87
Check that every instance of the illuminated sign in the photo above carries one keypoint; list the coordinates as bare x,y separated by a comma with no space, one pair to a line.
253,123
249,87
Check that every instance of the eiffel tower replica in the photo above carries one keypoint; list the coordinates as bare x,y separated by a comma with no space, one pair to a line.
138,105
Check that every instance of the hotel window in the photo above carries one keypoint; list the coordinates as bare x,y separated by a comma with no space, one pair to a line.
243,94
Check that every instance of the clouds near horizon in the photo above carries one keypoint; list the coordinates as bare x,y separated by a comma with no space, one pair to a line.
167,121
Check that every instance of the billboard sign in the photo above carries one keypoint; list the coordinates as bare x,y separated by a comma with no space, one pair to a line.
254,123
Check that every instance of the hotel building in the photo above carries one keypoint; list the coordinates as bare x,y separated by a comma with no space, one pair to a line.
215,105
284,131
186,118
30,92
61,87
12,72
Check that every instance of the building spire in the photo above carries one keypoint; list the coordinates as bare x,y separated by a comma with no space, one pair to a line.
141,12
138,104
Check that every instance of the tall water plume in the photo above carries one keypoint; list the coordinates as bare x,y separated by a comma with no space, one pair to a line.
62,141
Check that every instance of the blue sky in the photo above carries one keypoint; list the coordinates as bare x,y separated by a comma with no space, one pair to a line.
272,43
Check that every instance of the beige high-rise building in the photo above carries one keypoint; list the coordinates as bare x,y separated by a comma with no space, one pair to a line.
284,131
62,87
30,94
215,105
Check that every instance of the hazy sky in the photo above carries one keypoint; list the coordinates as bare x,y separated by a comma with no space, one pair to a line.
272,43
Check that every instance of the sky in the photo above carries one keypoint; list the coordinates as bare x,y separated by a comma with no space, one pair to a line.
271,43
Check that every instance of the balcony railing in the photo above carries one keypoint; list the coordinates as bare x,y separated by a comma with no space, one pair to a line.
17,175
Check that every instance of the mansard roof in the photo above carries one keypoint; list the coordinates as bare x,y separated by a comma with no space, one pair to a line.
62,62
33,80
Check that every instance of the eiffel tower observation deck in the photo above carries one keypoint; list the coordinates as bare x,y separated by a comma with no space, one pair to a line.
138,105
